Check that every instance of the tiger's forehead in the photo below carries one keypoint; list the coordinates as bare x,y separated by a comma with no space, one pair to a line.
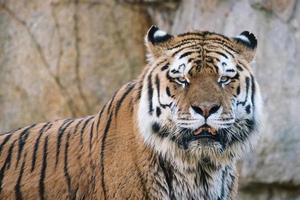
201,39
202,51
196,58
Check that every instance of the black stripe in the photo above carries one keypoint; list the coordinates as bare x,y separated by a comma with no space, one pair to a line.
36,146
217,59
156,127
83,128
236,76
239,68
6,139
77,125
214,48
91,136
22,140
18,191
238,90
218,52
60,133
182,44
191,60
158,111
248,109
165,67
168,91
242,66
247,80
223,45
170,78
253,90
139,91
196,39
157,83
184,48
204,179
159,63
129,87
66,172
186,54
175,71
111,102
189,34
50,126
43,170
150,93
131,106
167,171
228,52
186,45
107,126
6,164
229,70
99,117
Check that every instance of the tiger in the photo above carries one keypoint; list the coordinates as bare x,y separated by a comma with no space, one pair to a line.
175,132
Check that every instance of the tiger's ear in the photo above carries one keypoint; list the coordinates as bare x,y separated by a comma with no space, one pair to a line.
156,41
246,43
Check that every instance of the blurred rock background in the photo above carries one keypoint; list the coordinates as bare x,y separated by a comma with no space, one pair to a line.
64,58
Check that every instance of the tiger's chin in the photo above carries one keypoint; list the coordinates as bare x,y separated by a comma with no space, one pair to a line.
190,146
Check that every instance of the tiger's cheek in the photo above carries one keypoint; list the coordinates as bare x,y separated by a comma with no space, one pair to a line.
174,95
163,99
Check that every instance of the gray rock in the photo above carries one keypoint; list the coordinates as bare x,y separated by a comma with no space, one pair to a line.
63,58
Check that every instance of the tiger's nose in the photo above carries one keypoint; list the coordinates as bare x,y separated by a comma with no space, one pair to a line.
206,109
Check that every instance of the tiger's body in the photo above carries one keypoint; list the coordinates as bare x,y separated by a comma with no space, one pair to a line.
150,141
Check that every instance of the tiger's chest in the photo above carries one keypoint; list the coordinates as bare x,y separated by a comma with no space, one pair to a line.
196,185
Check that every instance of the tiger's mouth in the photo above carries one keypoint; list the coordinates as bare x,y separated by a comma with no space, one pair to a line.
204,135
205,132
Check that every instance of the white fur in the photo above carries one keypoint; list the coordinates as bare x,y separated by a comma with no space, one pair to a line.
180,65
159,33
244,38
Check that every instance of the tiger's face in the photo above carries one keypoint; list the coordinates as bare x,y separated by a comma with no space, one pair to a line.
199,94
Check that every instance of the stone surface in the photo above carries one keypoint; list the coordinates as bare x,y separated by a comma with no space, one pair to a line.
65,58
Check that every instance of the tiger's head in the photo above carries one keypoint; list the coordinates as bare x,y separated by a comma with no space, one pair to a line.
199,99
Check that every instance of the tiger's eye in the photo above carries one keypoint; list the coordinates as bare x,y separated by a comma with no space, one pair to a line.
224,80
182,81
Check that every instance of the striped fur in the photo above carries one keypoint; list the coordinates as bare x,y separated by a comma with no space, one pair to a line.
146,142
